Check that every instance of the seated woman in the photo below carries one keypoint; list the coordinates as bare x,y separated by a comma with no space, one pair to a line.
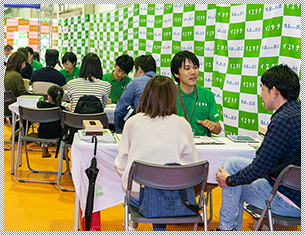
90,82
53,129
27,71
155,135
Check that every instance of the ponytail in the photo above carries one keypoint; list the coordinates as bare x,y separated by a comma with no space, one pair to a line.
57,94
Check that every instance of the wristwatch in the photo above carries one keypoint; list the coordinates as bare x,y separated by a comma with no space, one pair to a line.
228,181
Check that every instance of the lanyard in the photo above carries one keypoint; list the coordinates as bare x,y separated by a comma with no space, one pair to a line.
183,104
111,74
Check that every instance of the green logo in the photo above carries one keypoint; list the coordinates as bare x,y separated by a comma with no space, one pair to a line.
223,14
188,33
166,34
176,46
168,8
165,60
235,66
272,27
177,19
208,64
254,12
158,21
266,63
200,17
199,48
291,47
150,33
236,31
157,47
292,9
210,33
218,79
231,100
248,121
151,9
221,47
143,21
248,84
252,48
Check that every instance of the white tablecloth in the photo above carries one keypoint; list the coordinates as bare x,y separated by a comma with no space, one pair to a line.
109,110
110,180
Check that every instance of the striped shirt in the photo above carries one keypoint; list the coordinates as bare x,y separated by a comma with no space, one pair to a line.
79,87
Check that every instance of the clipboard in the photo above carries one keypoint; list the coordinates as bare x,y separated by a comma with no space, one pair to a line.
206,140
242,139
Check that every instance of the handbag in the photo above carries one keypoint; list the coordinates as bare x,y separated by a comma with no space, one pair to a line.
167,203
130,111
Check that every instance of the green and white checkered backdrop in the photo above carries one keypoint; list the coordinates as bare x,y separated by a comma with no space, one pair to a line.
235,45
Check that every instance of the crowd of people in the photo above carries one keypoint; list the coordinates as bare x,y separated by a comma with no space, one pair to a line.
168,114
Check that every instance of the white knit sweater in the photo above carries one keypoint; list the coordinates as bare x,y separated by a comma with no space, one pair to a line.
154,140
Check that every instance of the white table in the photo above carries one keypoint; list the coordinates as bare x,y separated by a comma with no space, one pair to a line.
109,110
110,180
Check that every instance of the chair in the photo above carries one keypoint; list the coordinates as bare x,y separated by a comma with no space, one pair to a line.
45,115
75,120
289,177
8,99
167,178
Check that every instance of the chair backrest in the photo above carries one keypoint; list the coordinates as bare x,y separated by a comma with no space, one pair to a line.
41,115
289,177
75,120
9,96
168,177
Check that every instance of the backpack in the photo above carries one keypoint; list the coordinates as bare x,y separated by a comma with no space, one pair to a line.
86,104
89,104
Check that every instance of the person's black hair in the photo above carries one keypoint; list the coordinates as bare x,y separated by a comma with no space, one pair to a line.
24,51
56,93
36,56
180,58
146,62
8,47
284,79
51,57
69,56
30,50
125,62
91,67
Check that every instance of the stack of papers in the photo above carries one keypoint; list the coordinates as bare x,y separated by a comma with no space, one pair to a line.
206,140
107,137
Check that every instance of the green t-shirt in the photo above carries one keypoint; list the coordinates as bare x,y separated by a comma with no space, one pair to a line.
36,65
206,108
117,87
74,74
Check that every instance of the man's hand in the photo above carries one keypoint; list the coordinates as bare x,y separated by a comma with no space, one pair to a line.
109,101
221,176
214,127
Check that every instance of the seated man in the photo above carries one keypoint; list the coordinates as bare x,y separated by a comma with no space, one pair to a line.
195,103
43,78
118,77
244,180
70,70
145,68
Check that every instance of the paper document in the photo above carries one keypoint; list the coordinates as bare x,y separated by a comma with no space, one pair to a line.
206,140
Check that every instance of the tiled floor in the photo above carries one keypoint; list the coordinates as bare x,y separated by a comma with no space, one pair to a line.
43,207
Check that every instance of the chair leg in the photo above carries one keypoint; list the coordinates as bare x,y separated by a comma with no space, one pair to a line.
126,214
59,173
268,204
205,213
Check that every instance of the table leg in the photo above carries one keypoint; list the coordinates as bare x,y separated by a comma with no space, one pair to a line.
76,213
13,142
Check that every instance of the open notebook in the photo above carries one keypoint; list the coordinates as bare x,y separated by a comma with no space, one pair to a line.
206,140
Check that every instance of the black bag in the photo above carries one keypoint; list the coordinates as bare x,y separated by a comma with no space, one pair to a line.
130,111
167,203
279,166
86,104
